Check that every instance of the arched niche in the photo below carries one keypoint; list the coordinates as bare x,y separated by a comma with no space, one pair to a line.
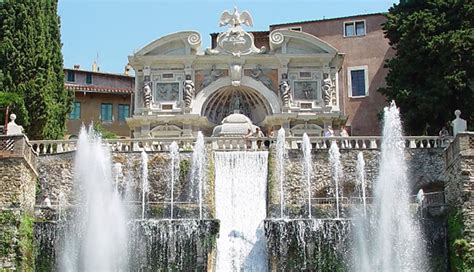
221,93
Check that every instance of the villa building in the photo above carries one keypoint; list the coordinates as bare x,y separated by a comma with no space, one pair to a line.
101,98
361,39
304,76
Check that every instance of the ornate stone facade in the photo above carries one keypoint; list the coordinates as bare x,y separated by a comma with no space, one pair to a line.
235,67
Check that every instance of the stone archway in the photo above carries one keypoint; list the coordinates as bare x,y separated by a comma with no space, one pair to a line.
215,100
224,101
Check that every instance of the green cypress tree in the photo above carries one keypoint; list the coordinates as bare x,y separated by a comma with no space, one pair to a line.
432,73
32,66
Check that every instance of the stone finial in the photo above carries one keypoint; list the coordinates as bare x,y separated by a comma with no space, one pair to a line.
458,124
12,127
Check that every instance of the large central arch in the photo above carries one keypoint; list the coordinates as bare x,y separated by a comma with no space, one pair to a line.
256,100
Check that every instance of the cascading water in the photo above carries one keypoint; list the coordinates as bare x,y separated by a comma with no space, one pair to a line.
118,174
280,167
307,168
361,183
198,167
96,239
174,171
241,179
336,170
144,181
395,241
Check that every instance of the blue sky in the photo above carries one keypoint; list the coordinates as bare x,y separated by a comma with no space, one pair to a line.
113,29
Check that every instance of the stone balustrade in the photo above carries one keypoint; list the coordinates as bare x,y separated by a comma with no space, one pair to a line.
238,143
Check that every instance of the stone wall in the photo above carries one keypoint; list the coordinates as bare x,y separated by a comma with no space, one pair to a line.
154,245
17,184
425,169
459,175
56,177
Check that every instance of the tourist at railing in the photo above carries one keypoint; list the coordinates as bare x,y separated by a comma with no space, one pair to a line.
247,136
444,134
259,134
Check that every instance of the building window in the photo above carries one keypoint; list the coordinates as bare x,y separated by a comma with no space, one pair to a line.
123,112
354,28
71,76
76,111
88,78
358,83
106,112
295,28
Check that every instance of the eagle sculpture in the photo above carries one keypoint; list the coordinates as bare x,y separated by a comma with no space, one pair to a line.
236,18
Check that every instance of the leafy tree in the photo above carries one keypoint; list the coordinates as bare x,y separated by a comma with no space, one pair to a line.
31,65
432,73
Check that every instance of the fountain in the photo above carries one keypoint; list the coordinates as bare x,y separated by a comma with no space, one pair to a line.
96,239
241,209
336,170
280,167
361,183
395,241
198,169
174,172
307,168
145,184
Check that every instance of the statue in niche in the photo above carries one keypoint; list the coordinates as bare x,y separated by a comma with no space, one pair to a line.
236,103
327,89
147,98
285,93
258,74
211,77
188,93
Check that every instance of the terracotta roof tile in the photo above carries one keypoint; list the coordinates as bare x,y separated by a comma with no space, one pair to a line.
97,89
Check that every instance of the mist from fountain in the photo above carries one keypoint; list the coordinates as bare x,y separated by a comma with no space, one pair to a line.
198,174
174,172
145,184
391,234
281,156
96,238
337,174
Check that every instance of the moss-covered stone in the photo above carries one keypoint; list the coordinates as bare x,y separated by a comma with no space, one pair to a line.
461,253
16,241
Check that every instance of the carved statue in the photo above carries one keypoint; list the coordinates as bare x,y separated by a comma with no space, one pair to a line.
236,18
147,95
12,127
458,124
327,89
258,74
236,102
188,93
285,93
235,41
211,77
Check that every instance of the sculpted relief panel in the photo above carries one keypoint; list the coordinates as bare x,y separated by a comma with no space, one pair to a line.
306,90
168,91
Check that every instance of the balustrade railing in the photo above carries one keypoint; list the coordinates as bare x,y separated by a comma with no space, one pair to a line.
238,143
